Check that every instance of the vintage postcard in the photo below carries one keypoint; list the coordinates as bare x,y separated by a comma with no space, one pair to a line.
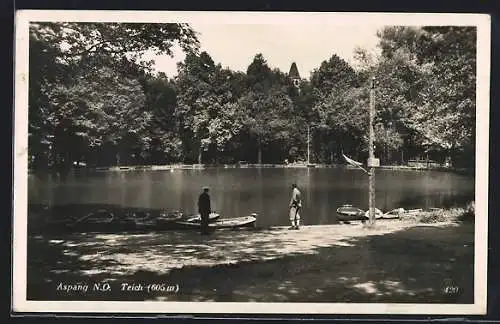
251,162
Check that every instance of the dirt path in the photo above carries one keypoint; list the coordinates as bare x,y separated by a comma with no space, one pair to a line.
398,262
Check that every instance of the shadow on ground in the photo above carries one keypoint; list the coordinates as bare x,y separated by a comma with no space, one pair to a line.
421,264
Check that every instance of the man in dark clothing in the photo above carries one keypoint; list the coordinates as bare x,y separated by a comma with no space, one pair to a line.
204,209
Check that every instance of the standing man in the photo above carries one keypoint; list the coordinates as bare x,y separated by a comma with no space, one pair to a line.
295,205
204,209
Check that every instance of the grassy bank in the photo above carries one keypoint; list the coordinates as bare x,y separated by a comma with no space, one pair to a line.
398,261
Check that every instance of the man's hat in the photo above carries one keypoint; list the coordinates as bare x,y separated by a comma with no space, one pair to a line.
206,188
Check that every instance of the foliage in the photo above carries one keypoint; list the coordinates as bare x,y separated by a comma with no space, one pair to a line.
207,104
85,84
426,89
76,41
339,112
449,111
469,213
94,97
267,105
462,214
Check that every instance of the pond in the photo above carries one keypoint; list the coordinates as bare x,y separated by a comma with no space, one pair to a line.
266,191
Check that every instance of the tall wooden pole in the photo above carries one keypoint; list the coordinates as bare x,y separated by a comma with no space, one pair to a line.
308,144
371,158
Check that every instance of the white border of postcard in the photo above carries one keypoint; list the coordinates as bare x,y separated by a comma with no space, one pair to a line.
23,17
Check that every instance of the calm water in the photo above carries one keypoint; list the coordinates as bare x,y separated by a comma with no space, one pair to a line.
239,192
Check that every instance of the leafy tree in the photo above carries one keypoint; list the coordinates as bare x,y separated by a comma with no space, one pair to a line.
268,118
333,74
194,99
450,98
400,82
95,107
268,106
66,58
161,101
425,89
76,41
208,104
45,72
332,112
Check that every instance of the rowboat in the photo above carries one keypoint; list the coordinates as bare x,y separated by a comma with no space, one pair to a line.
347,213
378,214
398,212
168,219
99,220
139,219
212,217
226,223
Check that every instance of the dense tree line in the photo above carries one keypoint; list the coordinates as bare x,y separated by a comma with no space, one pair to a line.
92,99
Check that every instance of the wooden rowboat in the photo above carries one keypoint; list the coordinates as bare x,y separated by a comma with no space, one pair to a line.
226,223
140,219
348,213
145,220
100,220
212,217
399,212
167,220
378,213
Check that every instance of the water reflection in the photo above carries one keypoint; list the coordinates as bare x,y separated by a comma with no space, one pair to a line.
239,192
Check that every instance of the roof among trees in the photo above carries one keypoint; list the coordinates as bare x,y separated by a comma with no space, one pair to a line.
294,72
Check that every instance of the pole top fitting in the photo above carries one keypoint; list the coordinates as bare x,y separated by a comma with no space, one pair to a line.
373,82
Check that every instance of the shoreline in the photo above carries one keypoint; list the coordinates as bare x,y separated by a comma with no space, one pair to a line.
173,167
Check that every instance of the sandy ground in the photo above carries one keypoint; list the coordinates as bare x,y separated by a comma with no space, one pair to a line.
398,261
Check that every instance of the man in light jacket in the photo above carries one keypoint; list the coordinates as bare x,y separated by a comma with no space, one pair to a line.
295,205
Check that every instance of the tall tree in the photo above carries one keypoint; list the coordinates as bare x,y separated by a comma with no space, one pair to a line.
426,90
161,101
63,55
96,106
331,83
450,98
208,105
268,106
259,77
194,99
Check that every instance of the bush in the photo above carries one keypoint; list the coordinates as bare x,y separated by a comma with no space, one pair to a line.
465,214
469,213
435,216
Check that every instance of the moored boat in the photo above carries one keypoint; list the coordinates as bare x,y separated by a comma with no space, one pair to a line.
139,220
378,213
347,213
95,221
226,223
399,212
167,220
147,220
212,217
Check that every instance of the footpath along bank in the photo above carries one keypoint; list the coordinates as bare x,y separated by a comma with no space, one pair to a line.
397,261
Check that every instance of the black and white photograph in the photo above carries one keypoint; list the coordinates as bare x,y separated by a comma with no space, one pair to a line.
250,162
